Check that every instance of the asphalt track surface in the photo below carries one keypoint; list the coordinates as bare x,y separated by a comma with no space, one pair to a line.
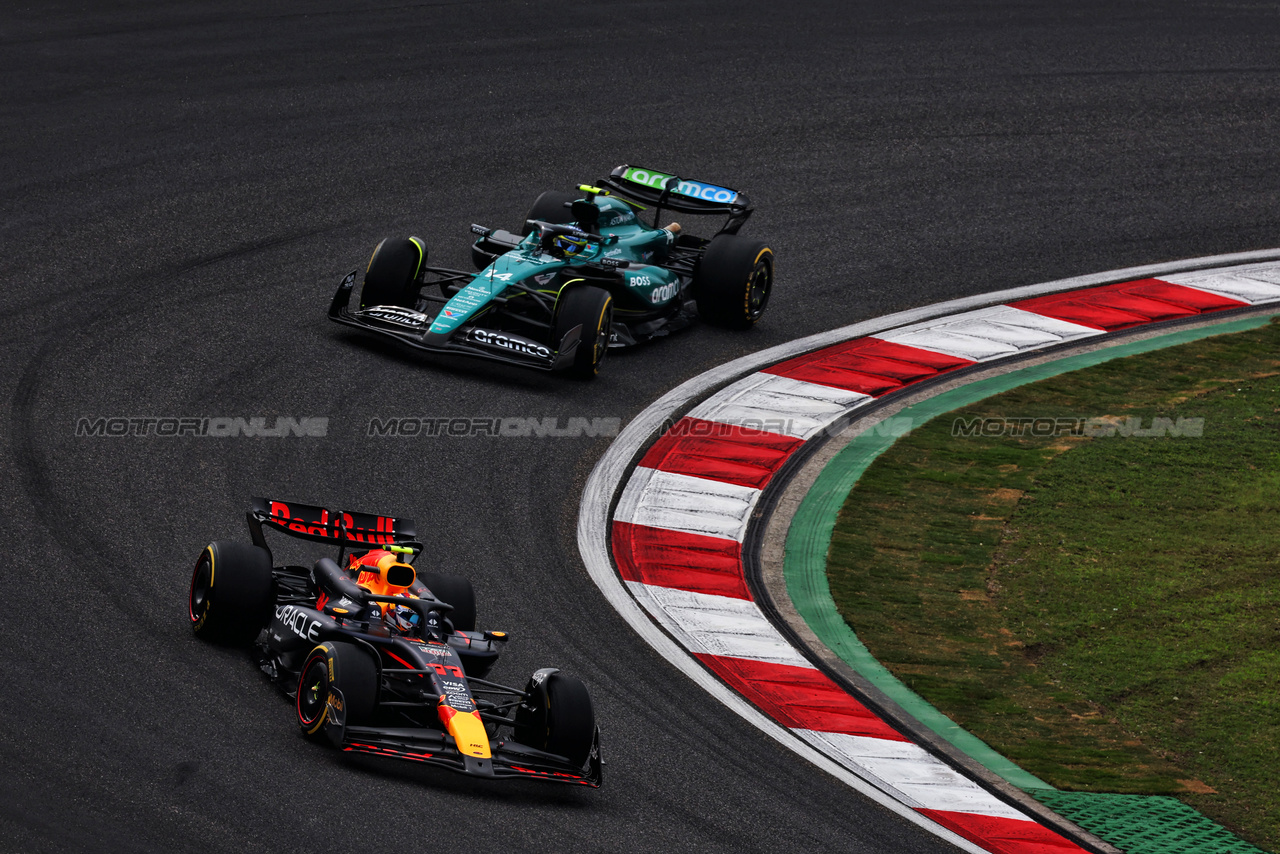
185,183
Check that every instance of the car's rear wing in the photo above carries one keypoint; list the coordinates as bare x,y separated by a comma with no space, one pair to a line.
342,528
678,194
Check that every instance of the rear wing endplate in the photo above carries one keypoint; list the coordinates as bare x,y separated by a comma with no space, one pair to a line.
319,524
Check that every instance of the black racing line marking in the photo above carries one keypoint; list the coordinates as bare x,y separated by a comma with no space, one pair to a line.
72,533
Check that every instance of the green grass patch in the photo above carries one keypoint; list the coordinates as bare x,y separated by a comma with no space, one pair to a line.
1105,611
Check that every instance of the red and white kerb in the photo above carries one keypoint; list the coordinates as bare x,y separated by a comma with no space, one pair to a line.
678,528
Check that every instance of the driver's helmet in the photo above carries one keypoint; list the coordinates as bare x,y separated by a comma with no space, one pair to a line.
404,619
568,244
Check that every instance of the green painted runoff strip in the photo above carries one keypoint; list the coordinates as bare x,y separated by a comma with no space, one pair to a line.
805,562
1145,824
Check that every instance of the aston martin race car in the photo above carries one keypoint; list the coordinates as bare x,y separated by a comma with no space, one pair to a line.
584,274
383,659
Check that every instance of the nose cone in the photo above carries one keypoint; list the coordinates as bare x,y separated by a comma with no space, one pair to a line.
467,730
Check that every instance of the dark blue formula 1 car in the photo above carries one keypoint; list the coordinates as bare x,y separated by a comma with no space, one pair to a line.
382,659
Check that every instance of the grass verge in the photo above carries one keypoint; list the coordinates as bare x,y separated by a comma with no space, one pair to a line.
1102,610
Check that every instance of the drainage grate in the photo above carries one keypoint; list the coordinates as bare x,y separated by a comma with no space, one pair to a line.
1144,824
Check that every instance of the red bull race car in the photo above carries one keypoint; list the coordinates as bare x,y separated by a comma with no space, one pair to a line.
383,659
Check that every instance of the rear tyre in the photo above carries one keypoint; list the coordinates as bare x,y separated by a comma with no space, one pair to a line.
339,665
392,276
562,721
733,281
549,207
232,592
592,309
459,593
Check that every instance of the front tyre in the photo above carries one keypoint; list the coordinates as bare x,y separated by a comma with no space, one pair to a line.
392,275
592,309
344,666
733,281
558,718
232,592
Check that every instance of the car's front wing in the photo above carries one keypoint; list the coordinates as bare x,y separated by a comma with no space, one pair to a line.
509,760
411,328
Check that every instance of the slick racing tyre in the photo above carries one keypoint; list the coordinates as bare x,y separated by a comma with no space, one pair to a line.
592,309
549,207
231,593
392,276
339,665
733,281
458,592
558,718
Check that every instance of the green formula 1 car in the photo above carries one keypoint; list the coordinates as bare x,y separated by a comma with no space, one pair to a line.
584,274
